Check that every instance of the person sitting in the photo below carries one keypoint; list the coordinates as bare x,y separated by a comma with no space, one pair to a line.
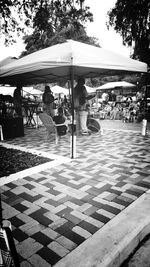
59,119
114,112
126,114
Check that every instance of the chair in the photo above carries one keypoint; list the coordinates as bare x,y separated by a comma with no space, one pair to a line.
93,125
50,125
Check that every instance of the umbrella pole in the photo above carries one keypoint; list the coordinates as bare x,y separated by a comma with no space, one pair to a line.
144,121
73,143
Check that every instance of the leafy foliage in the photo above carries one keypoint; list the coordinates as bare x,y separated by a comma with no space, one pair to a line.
132,20
45,17
57,22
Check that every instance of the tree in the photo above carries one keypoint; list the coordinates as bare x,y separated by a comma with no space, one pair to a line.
56,22
44,16
132,20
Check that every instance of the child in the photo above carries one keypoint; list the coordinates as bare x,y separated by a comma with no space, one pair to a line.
59,119
126,115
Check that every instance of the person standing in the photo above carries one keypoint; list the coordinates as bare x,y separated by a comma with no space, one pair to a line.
81,107
48,101
17,100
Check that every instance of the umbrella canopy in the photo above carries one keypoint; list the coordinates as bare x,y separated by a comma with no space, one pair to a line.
7,90
31,91
7,60
90,89
56,89
62,61
112,85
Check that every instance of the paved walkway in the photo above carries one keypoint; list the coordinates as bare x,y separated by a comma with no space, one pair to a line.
56,210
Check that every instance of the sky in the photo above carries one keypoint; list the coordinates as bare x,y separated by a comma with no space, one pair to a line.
109,40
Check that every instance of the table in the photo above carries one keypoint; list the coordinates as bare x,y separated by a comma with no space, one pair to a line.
29,110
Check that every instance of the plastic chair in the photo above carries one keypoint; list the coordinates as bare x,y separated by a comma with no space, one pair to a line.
50,125
93,125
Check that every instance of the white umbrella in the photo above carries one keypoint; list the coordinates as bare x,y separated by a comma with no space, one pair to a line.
56,89
31,91
112,85
7,90
7,60
90,90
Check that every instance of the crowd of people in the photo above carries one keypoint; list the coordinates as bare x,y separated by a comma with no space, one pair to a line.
127,111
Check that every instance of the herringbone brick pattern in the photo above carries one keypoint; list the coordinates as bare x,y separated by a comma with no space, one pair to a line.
54,211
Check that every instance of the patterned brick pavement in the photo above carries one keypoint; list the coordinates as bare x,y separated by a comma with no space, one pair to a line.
54,211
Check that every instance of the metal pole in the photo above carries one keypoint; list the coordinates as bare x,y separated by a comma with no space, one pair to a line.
72,106
144,121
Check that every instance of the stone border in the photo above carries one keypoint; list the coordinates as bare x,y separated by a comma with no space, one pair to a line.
56,160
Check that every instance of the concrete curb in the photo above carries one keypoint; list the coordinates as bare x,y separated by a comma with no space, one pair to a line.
114,242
